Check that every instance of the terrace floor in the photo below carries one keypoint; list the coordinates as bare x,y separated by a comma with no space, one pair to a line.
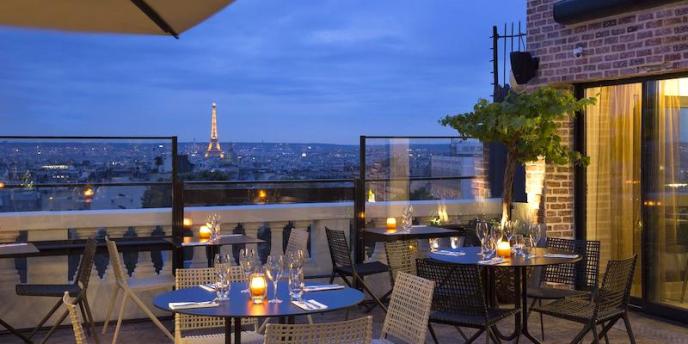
647,330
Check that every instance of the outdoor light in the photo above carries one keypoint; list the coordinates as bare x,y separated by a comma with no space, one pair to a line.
187,222
89,192
371,196
391,223
503,249
2,185
258,287
204,233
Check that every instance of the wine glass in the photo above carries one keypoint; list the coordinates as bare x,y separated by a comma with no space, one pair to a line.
248,265
296,259
296,284
509,229
274,267
482,229
222,265
535,232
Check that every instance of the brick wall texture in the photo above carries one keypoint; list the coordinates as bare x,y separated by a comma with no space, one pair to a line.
641,43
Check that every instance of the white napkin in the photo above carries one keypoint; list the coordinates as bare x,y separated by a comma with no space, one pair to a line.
560,255
492,261
450,253
190,305
322,287
208,287
309,305
14,244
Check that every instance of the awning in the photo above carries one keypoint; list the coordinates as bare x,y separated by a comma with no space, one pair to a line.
158,17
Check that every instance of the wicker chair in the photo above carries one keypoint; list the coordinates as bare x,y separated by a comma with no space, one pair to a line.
129,286
579,278
187,278
77,290
401,257
459,299
344,267
357,331
604,307
69,303
298,240
409,311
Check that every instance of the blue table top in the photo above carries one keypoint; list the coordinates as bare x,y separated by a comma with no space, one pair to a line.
472,257
239,304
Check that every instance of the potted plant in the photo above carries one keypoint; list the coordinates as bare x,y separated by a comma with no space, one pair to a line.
526,123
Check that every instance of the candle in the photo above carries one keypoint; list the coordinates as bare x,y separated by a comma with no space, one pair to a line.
258,287
187,222
503,249
391,223
204,233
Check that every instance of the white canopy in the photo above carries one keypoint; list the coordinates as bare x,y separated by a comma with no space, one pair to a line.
159,17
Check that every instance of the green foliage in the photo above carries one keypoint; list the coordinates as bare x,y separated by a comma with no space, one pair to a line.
526,123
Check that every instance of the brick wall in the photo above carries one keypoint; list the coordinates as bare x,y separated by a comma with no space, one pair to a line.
647,42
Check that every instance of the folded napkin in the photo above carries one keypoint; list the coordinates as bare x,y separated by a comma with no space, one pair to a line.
208,287
230,235
189,305
14,244
322,287
309,305
492,261
560,255
450,253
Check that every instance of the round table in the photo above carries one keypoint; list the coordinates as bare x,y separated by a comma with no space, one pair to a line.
240,306
520,264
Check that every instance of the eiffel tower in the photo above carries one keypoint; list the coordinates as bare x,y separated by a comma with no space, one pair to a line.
214,150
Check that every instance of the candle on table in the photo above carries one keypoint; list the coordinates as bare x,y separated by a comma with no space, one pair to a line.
391,223
204,233
503,249
258,287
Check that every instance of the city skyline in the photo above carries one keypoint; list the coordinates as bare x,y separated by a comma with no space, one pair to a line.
279,73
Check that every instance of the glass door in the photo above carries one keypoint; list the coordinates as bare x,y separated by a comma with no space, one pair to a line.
666,208
613,211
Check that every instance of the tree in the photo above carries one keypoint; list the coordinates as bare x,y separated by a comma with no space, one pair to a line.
526,124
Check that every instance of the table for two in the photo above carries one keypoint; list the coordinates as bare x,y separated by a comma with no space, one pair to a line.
520,265
240,306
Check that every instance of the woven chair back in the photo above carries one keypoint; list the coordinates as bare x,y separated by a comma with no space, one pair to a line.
83,274
79,335
298,240
116,262
187,278
584,274
458,288
614,293
357,331
401,257
339,248
409,309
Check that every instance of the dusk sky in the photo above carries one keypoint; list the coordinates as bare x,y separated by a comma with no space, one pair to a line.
280,71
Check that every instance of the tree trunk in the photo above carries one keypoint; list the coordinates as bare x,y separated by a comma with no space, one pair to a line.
508,185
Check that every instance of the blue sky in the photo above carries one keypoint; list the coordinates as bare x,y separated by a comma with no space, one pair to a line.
280,71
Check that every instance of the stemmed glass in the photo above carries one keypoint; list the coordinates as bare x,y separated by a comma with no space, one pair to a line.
248,263
296,259
482,229
535,233
296,283
274,268
222,265
509,229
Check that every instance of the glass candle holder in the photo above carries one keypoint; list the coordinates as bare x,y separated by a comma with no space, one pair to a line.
258,287
391,223
504,249
204,233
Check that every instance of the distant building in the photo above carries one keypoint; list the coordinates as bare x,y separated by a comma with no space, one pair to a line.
214,150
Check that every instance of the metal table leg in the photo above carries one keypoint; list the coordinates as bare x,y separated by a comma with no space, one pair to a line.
522,271
13,331
237,331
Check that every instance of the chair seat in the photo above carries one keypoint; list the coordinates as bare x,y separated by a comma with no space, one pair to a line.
365,269
149,283
48,290
552,293
247,337
494,315
574,309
